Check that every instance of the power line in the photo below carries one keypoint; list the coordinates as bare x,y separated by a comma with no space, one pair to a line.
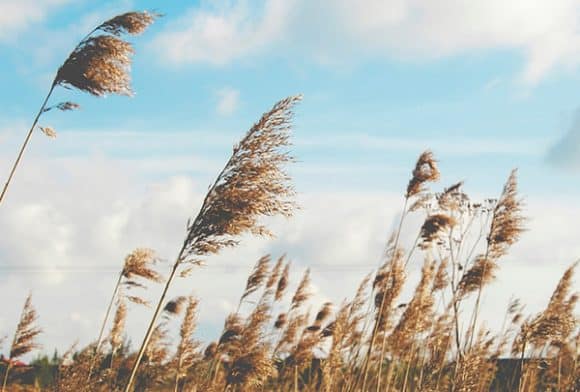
213,268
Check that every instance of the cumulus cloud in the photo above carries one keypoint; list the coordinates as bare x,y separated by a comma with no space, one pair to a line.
566,152
16,16
228,100
544,32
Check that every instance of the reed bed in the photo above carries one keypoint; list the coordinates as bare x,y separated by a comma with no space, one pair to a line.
373,342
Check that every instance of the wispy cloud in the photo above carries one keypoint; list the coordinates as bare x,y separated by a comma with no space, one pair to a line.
546,32
565,153
17,16
455,147
228,100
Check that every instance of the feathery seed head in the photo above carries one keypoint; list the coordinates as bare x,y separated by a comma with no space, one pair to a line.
133,23
441,277
275,273
26,331
48,131
66,106
138,264
257,277
175,306
280,321
116,334
507,222
303,292
434,227
283,283
480,274
425,171
99,65
252,185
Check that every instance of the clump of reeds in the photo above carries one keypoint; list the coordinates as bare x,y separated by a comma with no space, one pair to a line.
99,65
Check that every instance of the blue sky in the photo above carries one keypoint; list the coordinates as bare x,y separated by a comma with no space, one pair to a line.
470,107
487,86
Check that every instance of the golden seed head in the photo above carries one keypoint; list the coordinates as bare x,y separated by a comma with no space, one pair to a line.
425,171
131,23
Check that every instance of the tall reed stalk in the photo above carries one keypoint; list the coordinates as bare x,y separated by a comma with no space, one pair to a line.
251,185
98,65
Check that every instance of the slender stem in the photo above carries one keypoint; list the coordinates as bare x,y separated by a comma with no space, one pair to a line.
480,289
522,378
176,380
295,378
408,368
26,140
154,319
188,240
477,301
390,371
6,374
99,340
454,292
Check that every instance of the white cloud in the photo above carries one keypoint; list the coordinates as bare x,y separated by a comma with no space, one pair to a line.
69,221
16,16
545,32
228,101
224,33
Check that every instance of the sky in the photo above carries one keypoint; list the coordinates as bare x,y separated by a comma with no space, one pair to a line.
486,85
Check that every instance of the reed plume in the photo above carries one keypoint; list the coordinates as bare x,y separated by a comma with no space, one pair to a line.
188,346
116,334
418,314
508,221
251,185
303,292
24,340
257,277
434,227
425,171
98,65
275,274
282,282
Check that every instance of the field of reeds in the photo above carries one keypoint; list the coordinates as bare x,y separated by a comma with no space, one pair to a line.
433,341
